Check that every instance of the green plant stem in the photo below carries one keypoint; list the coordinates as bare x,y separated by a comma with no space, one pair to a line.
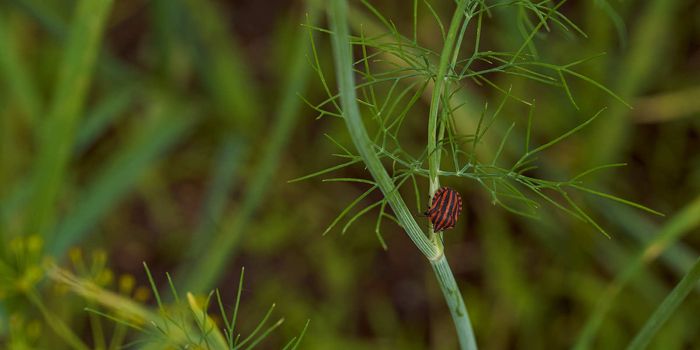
342,52
433,149
458,310
351,114
666,309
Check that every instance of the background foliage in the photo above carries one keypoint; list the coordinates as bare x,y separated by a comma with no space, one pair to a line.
166,132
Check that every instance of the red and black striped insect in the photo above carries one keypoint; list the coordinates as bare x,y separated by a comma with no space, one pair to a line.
445,209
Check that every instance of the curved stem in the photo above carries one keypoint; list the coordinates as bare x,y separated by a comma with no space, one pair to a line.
342,54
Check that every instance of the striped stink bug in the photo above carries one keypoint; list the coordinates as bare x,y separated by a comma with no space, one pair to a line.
445,208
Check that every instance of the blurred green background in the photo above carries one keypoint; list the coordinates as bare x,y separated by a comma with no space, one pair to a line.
166,131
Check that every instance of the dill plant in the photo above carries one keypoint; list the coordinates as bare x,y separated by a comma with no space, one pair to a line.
395,72
184,323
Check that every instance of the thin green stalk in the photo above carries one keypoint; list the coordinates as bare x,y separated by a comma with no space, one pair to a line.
434,136
98,333
433,150
458,310
666,309
55,322
342,53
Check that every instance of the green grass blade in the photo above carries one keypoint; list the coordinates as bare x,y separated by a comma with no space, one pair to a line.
16,75
44,14
616,19
225,73
680,224
169,31
108,111
666,309
56,135
646,52
50,20
678,257
223,179
119,175
206,271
